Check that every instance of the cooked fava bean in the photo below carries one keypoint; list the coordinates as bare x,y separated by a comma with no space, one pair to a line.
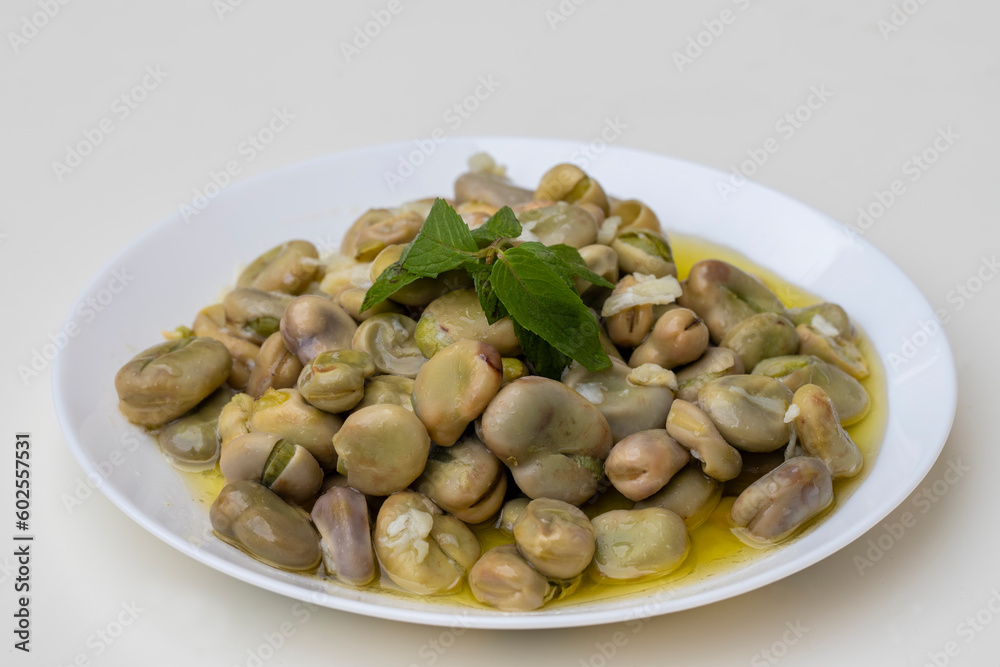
755,466
837,350
422,549
600,259
748,410
760,337
276,367
378,228
282,466
454,387
820,433
629,327
314,324
551,224
341,517
690,494
644,251
352,298
388,389
636,215
555,537
191,441
510,513
831,318
234,419
569,183
458,316
163,382
502,578
636,545
715,363
382,449
389,340
848,395
724,296
334,380
642,463
774,507
489,188
513,368
286,413
288,267
552,439
254,314
628,408
679,337
693,429
253,518
465,480
210,322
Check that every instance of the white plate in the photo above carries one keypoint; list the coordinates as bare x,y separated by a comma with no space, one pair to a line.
179,266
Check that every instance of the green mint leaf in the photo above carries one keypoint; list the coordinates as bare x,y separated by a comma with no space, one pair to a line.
502,225
388,283
564,260
573,262
546,360
443,243
539,300
488,299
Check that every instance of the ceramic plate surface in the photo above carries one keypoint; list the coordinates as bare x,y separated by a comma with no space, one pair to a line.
180,265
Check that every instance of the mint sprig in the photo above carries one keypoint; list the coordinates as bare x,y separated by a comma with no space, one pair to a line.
531,283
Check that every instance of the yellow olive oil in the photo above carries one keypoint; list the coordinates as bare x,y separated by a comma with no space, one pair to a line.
714,548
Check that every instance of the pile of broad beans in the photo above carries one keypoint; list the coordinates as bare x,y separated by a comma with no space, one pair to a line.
363,445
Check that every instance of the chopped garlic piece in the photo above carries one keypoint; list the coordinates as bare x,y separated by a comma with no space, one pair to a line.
414,526
609,230
592,391
791,413
824,326
652,375
648,290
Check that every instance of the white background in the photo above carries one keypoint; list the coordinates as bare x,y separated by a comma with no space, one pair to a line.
892,90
